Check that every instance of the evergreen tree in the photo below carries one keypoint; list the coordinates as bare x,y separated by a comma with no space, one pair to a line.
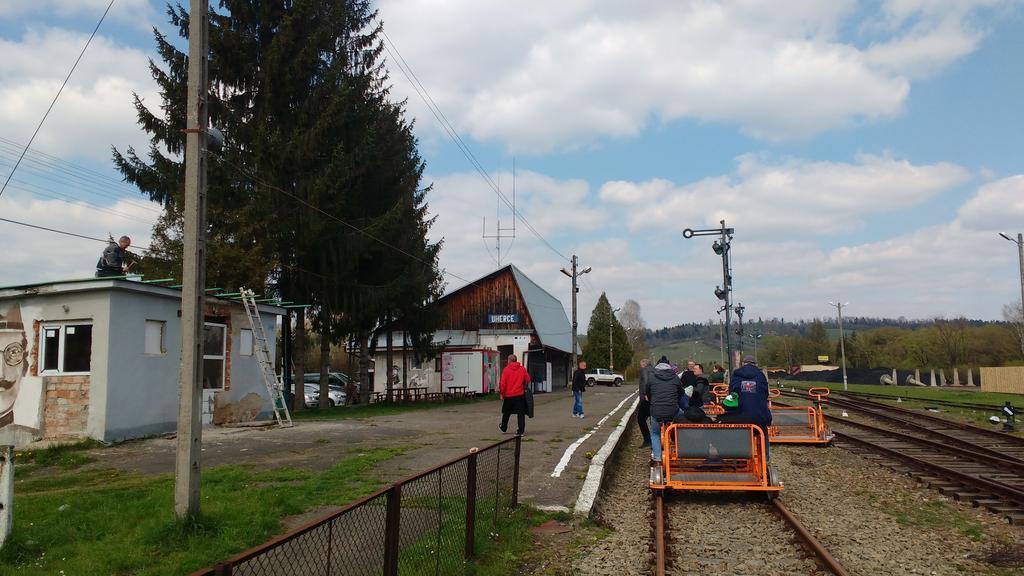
596,351
300,93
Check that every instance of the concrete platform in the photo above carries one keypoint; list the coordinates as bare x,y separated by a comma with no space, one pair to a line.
554,454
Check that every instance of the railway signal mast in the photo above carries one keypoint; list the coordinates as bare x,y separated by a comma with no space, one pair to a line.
724,293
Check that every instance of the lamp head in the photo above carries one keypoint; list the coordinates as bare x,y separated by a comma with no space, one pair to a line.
586,270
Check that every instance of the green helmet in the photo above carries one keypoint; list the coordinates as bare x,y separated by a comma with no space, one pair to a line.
731,401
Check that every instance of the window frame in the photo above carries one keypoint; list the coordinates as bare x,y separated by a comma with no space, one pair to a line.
61,328
163,338
223,355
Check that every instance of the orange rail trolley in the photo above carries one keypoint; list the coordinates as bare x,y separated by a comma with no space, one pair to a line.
801,424
714,407
714,457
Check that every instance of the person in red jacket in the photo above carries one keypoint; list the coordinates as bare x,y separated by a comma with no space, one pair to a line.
512,389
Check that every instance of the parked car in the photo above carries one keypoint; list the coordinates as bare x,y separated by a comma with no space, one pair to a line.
604,376
337,382
335,396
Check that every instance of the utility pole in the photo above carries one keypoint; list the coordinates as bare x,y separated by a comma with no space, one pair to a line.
190,384
842,341
1020,253
739,308
611,349
575,289
723,293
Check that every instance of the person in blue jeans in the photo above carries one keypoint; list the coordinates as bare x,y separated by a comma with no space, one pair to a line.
579,384
667,399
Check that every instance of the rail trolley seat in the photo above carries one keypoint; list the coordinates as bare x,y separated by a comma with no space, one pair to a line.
801,424
714,407
714,457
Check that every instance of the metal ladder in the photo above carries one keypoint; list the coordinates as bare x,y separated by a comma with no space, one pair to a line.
262,350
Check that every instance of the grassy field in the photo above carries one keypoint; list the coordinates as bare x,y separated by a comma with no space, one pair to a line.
680,352
917,397
72,521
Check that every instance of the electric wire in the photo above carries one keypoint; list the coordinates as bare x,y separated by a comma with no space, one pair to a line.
424,94
52,103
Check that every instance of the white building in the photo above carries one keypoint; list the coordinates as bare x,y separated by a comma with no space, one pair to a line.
99,358
485,321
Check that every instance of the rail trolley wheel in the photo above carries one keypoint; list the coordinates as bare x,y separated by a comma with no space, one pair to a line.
773,480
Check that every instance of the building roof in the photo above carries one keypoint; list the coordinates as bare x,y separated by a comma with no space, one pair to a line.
549,318
546,311
116,283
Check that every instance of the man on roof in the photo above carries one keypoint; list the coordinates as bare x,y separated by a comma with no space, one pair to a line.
115,260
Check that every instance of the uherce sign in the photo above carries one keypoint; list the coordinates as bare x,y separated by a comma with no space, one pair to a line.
503,318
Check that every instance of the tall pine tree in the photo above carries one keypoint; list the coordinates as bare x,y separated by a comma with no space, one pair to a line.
597,350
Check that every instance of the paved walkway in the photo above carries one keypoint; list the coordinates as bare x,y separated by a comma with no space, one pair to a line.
554,455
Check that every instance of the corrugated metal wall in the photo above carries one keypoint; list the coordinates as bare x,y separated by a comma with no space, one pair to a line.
1009,379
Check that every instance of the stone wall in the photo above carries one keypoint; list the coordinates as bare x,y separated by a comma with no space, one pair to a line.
66,408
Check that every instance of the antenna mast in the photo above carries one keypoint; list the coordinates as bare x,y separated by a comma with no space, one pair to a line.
502,232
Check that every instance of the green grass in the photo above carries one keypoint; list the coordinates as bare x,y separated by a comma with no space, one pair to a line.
680,352
64,456
382,409
935,514
111,522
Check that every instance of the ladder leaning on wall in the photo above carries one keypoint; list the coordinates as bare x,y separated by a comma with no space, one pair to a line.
262,350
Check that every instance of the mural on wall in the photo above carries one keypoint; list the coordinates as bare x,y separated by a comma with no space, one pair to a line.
13,343
447,367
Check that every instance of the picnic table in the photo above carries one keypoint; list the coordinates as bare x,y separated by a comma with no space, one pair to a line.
457,391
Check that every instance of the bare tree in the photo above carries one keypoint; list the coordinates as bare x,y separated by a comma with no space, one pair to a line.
952,339
1013,313
633,321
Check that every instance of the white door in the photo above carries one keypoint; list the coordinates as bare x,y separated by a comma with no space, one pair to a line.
214,355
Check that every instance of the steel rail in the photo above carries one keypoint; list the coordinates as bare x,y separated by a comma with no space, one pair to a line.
810,542
869,405
998,488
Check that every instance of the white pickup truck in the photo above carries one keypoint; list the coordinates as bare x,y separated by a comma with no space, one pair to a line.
604,377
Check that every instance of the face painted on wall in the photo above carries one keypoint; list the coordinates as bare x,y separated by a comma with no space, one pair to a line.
13,365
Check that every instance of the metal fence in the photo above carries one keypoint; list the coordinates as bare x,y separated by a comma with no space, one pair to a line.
428,523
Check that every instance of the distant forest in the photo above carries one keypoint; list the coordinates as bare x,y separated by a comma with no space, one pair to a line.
870,342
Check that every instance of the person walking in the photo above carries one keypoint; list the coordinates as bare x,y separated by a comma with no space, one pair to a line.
643,409
666,396
512,390
579,384
749,388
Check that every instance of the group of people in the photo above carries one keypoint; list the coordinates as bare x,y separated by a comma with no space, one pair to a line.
666,396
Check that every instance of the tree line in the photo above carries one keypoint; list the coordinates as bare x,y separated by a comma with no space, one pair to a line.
317,197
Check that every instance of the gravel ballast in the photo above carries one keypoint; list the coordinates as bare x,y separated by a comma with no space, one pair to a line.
873,520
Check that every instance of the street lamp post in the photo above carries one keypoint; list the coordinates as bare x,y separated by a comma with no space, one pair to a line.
611,349
842,341
1020,254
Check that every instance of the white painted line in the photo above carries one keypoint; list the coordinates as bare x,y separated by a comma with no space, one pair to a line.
553,508
567,455
588,493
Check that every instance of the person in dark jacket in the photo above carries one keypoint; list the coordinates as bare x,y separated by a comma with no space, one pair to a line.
643,409
688,380
665,393
114,261
579,384
701,386
750,387
512,390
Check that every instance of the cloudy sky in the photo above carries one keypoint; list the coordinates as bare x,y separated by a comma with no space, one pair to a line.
866,151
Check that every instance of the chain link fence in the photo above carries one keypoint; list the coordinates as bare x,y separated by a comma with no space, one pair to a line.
427,524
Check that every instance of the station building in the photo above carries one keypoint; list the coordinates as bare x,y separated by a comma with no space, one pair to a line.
99,358
485,321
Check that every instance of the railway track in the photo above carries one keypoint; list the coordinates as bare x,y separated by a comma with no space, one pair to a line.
733,533
976,465
951,403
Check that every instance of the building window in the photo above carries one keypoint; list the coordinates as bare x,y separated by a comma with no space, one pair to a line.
66,348
437,364
214,342
155,332
245,342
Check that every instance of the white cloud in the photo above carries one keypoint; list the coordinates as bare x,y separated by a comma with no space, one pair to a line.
998,206
140,12
32,255
537,76
797,197
95,109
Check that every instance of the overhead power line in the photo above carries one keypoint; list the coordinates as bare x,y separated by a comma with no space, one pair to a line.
453,134
65,83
